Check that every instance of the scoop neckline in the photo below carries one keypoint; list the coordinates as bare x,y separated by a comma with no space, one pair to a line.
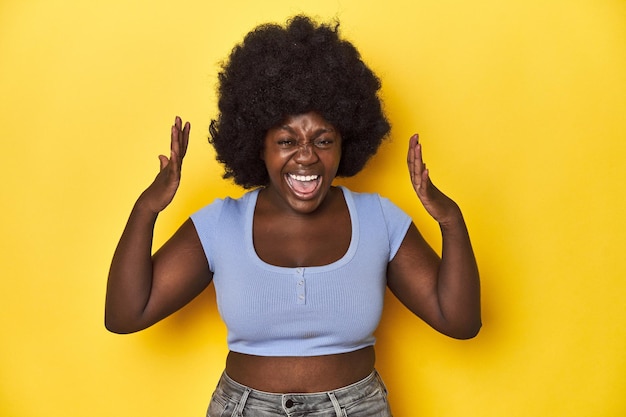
248,230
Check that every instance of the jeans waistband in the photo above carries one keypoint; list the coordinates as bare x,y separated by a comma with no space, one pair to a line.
299,402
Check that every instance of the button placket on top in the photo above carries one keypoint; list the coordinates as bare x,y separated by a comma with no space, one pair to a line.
300,286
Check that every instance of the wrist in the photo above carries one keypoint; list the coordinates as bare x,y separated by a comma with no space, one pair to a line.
453,219
145,208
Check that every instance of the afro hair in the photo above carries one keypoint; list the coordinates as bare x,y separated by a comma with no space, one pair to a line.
281,71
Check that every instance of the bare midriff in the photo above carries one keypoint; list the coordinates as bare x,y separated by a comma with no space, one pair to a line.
294,374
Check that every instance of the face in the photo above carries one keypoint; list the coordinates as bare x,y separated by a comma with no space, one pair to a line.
302,155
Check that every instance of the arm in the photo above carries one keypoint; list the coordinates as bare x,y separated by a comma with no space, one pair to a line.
444,292
142,289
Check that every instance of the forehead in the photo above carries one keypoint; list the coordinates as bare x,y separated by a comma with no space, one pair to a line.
311,121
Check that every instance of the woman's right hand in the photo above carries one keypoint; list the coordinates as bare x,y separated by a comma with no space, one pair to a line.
162,190
144,288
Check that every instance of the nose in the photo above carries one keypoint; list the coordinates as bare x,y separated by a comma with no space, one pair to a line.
305,154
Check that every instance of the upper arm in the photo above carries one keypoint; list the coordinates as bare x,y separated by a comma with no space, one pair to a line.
412,276
180,272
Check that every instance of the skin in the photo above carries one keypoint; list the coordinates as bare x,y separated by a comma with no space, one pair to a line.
444,292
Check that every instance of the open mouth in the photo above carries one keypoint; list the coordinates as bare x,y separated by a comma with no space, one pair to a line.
303,185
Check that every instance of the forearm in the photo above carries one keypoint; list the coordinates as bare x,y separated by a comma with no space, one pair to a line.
458,282
130,276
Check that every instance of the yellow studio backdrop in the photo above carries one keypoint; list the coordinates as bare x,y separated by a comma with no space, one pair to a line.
521,106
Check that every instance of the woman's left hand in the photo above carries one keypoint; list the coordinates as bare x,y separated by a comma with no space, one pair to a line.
437,204
444,291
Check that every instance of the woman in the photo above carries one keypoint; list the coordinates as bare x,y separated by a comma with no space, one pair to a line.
300,266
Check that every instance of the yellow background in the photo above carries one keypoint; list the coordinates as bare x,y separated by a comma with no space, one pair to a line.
521,106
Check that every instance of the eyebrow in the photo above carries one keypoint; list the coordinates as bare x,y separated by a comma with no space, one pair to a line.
316,133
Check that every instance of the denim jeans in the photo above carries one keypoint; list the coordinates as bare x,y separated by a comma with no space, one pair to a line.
366,398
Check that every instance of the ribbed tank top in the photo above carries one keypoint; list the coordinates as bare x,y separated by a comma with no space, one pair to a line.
271,310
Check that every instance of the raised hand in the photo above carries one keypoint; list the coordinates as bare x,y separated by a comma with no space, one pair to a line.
162,190
436,203
443,290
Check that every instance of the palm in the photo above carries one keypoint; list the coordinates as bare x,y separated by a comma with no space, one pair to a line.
162,190
436,203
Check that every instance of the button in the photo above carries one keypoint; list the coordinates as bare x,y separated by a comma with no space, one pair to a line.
289,403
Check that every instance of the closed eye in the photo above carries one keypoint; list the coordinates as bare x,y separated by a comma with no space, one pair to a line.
324,143
286,143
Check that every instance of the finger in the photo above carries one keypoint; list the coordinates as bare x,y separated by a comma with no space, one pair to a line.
182,137
175,145
421,172
163,162
185,139
418,163
411,156
424,180
419,156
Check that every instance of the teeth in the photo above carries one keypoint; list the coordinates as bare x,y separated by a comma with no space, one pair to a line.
304,177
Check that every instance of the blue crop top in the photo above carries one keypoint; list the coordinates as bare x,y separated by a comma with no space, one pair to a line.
279,311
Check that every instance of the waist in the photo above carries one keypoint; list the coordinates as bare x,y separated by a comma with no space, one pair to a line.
300,374
299,403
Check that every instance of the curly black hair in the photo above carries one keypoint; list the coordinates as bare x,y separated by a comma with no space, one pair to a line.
281,71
